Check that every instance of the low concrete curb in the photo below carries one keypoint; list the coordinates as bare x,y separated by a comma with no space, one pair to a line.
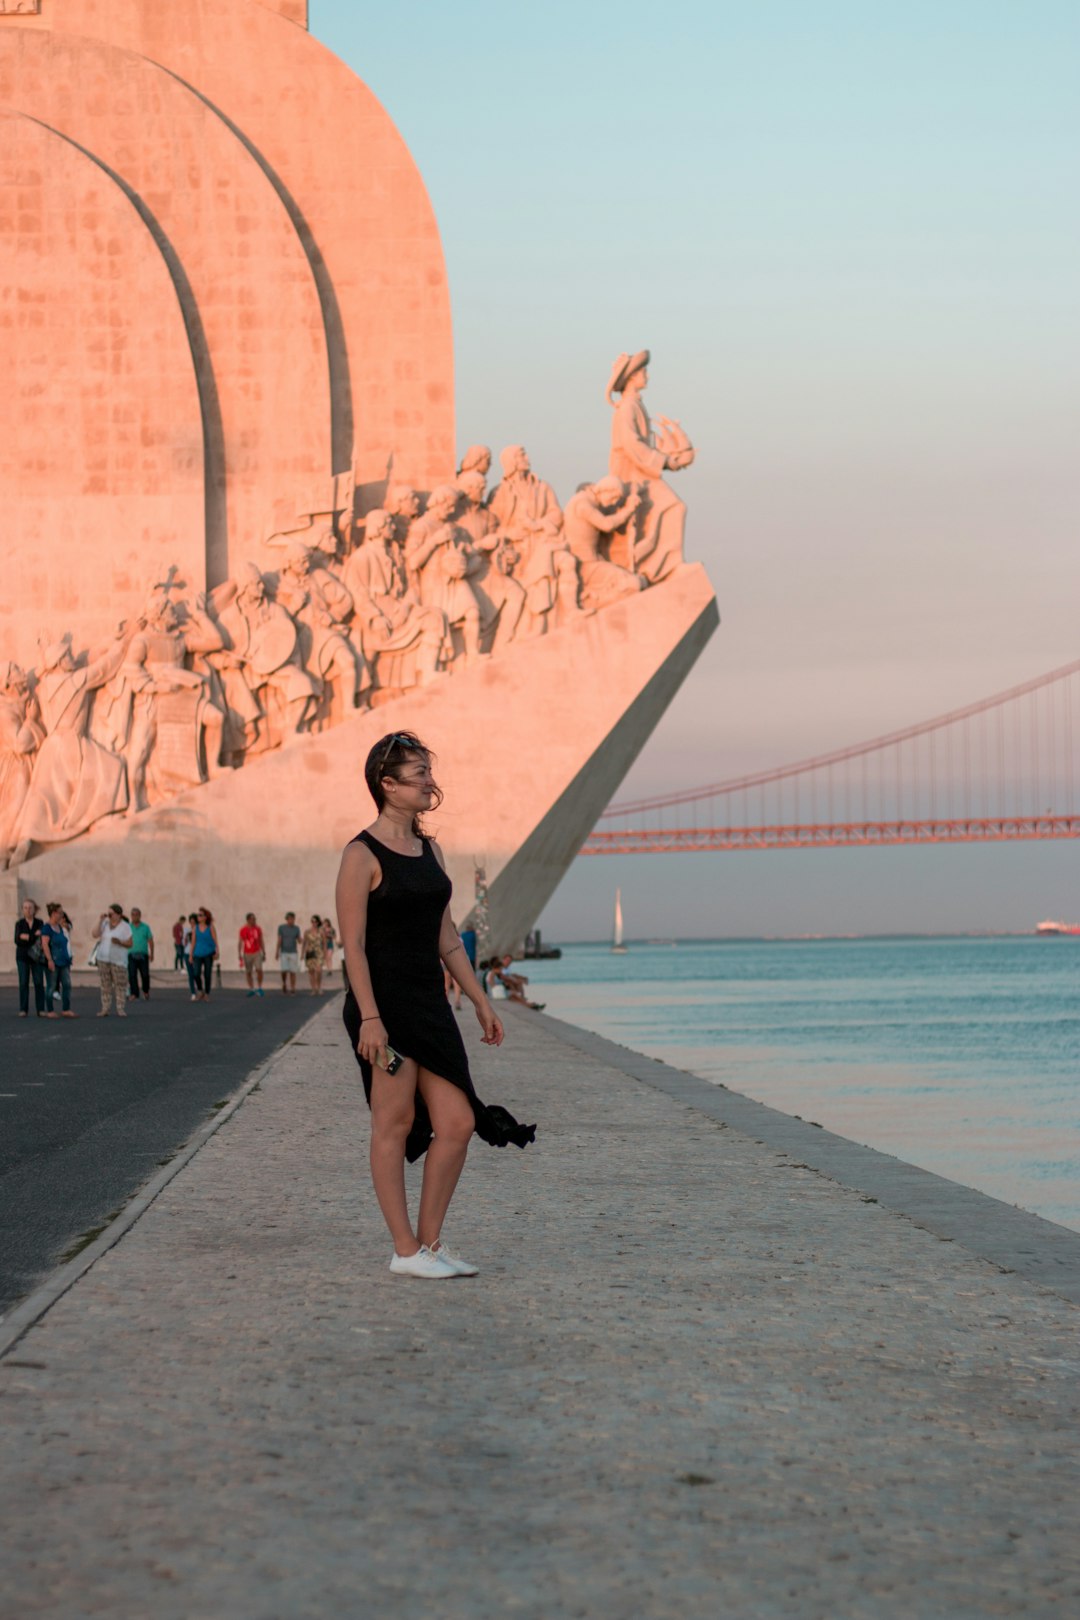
1010,1238
30,1310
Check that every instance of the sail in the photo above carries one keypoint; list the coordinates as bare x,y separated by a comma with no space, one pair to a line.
617,937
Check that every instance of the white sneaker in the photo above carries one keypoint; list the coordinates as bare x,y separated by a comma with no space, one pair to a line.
460,1267
421,1264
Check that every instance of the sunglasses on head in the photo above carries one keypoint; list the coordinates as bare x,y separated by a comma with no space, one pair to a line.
399,740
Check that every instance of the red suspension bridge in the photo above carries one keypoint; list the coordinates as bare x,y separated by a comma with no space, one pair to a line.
1002,769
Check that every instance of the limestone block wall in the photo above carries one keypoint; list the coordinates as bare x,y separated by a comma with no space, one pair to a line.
221,285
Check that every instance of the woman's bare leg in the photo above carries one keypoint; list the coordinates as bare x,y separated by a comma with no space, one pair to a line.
453,1123
391,1120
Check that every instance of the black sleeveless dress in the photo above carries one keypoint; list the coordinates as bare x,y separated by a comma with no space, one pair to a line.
404,920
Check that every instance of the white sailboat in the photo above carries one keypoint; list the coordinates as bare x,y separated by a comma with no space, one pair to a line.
617,933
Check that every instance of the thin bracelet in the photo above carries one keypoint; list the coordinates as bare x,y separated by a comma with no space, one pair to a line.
370,1017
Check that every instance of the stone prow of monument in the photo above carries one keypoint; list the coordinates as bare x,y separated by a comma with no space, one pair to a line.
227,347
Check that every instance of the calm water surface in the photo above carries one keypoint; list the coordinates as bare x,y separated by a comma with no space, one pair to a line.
959,1055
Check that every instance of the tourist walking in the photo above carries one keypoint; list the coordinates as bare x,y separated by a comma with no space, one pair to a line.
140,956
56,941
313,950
189,960
113,934
30,959
329,941
204,950
393,899
179,954
287,953
252,950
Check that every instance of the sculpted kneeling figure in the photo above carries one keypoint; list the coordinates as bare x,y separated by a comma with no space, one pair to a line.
592,516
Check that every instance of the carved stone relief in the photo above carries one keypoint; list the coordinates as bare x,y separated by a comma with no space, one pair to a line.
350,614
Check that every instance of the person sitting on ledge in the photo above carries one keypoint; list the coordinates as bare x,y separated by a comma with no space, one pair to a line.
513,984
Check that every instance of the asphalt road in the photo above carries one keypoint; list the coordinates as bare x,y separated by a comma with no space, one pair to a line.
90,1107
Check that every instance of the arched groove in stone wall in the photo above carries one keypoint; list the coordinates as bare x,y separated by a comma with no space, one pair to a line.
209,403
339,153
101,440
342,434
251,280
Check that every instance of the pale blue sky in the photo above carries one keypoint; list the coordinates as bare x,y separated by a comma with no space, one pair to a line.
850,235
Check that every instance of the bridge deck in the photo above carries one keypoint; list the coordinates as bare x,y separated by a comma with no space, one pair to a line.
829,835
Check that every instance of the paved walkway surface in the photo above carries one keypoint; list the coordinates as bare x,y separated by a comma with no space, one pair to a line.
693,1380
89,1107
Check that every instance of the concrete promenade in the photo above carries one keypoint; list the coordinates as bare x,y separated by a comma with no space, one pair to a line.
697,1378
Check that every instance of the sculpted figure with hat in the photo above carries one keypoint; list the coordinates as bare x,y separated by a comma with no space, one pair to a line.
641,454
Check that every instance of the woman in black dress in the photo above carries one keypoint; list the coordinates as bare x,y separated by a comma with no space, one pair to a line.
393,912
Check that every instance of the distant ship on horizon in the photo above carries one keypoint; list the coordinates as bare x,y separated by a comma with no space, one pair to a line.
1051,927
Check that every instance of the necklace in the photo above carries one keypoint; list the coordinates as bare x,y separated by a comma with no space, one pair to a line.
409,843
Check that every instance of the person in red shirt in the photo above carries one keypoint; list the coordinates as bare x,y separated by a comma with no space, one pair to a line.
252,954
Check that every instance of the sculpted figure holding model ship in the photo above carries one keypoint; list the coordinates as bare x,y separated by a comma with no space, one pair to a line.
641,454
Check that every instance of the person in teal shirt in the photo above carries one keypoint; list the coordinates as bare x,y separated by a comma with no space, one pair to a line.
140,956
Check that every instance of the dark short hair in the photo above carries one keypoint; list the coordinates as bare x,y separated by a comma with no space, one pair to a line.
289,914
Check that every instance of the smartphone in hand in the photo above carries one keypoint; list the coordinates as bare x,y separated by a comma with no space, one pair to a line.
389,1060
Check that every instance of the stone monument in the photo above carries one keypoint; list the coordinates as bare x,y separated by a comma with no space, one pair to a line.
235,548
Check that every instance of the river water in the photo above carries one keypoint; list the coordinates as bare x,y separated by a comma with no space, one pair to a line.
958,1055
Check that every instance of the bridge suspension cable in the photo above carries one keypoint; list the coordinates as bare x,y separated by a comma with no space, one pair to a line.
1001,769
